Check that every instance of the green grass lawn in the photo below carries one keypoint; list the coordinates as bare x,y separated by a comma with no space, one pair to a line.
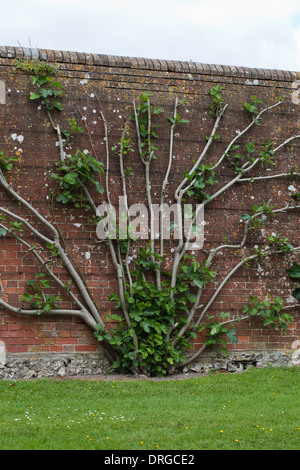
258,409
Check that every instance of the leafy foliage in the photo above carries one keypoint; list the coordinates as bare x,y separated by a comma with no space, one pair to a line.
204,175
36,67
153,316
49,90
294,273
37,299
218,100
76,170
271,311
6,163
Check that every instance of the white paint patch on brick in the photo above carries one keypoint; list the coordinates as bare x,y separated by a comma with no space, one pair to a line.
296,358
296,93
2,92
2,353
20,137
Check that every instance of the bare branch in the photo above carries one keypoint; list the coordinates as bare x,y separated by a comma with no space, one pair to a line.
27,224
138,133
26,204
244,131
106,149
1,289
166,180
88,130
56,128
269,177
179,191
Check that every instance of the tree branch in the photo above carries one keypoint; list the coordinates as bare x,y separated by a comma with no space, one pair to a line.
179,191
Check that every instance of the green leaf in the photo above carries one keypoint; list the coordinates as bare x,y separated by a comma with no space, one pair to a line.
34,96
145,326
71,178
294,272
198,283
231,336
268,321
45,283
99,187
41,80
296,293
45,92
224,352
55,176
215,330
17,226
3,232
57,105
253,311
27,298
192,298
57,84
115,317
38,275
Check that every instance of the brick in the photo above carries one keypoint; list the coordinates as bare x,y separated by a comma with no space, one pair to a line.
243,339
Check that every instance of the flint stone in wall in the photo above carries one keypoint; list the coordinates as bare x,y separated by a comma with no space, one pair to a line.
239,361
32,366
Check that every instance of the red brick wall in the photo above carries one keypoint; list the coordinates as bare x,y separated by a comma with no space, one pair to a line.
117,81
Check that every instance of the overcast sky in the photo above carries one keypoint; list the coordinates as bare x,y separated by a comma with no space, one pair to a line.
251,33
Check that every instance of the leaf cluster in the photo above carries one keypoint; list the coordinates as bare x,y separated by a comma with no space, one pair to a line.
49,92
147,129
77,169
280,243
294,273
270,310
37,299
74,128
13,226
152,314
253,107
219,332
256,220
218,100
200,178
146,114
6,163
236,160
36,67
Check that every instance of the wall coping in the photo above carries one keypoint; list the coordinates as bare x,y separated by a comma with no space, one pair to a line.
10,52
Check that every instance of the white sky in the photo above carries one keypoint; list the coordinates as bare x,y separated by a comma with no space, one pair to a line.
251,33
